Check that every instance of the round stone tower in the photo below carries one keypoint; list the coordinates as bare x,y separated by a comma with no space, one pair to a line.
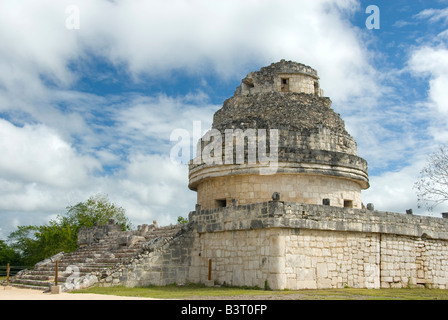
278,134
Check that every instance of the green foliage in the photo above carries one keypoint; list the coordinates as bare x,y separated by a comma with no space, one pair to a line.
97,210
181,220
36,243
9,255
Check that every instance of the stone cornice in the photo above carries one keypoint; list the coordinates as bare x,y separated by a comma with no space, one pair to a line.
279,214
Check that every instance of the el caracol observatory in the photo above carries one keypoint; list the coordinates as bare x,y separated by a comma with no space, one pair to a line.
311,157
278,183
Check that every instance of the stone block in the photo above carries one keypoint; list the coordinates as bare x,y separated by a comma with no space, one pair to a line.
322,270
306,274
56,289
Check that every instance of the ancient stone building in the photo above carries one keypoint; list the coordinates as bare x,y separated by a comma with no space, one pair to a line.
312,159
280,209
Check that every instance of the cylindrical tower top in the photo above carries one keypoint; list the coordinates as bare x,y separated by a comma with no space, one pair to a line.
283,76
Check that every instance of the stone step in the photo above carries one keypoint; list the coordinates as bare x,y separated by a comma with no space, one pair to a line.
24,286
50,272
38,276
32,282
99,258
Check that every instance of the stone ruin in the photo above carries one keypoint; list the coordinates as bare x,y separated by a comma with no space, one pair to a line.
302,227
316,158
104,250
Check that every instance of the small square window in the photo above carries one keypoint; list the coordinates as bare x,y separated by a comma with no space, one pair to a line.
348,203
221,203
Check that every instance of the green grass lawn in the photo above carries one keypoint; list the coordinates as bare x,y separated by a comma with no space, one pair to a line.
202,292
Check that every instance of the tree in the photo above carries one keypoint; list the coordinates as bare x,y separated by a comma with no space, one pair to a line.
36,243
432,186
181,220
97,210
9,255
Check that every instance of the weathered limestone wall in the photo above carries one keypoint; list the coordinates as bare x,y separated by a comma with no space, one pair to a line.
300,78
327,259
410,260
288,245
291,258
299,83
248,189
298,246
240,258
164,261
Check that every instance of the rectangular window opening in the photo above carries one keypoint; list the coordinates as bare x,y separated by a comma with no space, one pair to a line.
348,203
221,203
285,84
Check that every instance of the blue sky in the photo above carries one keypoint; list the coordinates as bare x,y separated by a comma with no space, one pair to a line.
89,108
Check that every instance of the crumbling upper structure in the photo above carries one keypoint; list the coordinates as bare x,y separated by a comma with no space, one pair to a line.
308,158
281,77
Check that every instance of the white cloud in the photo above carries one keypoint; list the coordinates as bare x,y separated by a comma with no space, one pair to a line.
394,190
156,37
147,122
36,154
428,63
227,36
430,60
434,15
40,174
149,187
433,62
153,187
36,43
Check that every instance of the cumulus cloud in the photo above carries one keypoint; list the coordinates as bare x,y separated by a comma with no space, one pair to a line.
39,174
147,122
156,37
35,154
433,63
228,36
429,63
153,187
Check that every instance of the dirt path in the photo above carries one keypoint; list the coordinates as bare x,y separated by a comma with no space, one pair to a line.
29,294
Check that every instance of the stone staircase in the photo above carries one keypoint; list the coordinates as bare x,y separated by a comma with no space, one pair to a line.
94,260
